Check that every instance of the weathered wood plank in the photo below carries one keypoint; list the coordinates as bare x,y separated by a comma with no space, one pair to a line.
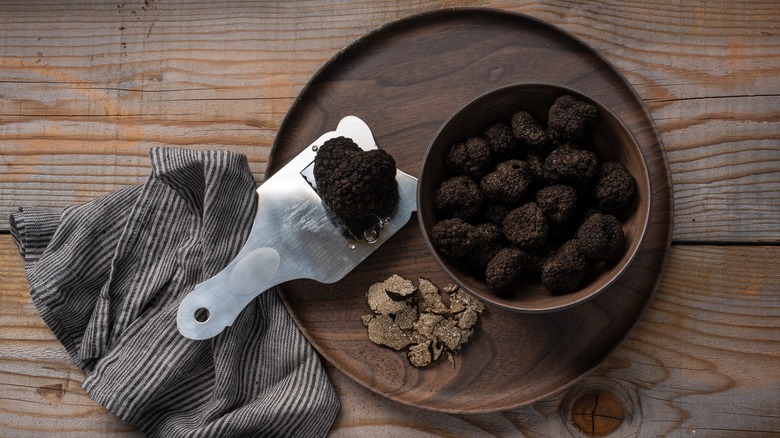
724,155
704,358
88,87
40,388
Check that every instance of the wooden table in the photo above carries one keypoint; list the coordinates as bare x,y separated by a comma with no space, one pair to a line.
86,88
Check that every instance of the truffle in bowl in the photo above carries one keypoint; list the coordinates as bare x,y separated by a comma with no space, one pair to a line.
533,197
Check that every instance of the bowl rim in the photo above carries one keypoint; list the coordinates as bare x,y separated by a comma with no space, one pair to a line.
644,220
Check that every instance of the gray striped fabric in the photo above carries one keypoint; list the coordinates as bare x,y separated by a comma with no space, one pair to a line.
107,277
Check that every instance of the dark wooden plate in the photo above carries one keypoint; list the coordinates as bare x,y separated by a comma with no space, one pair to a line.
405,80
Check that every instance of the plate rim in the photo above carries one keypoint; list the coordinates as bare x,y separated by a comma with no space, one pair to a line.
457,12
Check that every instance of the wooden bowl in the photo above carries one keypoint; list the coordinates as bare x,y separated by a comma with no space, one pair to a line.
613,142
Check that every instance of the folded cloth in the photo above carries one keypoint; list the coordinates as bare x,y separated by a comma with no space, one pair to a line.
107,277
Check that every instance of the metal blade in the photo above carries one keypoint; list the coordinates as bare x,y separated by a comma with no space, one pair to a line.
294,236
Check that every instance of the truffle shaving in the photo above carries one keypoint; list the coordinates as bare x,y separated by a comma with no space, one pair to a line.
382,331
420,321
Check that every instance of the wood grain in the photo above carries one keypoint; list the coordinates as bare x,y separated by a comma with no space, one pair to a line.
40,387
88,87
703,359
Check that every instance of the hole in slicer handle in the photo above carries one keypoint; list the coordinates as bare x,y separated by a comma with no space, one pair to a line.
202,315
214,304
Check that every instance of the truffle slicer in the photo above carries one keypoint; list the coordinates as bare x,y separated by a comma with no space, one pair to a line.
294,236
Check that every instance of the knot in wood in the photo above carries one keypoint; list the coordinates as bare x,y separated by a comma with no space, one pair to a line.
597,413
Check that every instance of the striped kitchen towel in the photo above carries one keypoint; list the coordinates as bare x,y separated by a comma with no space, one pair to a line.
107,277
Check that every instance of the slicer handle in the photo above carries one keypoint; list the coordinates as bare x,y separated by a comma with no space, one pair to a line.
214,304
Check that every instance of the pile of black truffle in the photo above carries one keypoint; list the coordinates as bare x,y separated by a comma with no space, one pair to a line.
526,202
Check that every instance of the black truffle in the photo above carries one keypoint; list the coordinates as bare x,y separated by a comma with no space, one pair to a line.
601,238
351,181
504,270
500,140
454,237
526,226
567,165
570,118
528,130
458,197
558,202
489,240
566,270
508,183
536,164
584,143
614,187
471,158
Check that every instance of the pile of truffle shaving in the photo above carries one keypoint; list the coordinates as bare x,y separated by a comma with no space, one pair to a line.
417,320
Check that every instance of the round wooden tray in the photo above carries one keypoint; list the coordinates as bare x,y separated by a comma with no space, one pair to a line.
404,80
